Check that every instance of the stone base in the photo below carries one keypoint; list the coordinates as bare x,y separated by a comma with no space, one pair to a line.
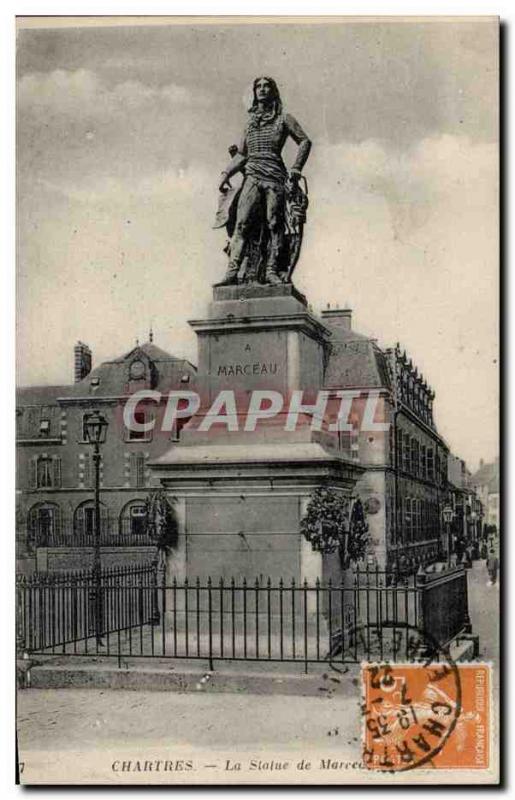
251,291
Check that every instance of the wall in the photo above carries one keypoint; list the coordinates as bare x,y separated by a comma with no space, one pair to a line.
63,559
242,537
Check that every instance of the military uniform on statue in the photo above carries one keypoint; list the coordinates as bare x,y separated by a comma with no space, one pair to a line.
265,216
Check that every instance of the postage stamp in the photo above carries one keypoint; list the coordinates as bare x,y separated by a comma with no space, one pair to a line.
433,714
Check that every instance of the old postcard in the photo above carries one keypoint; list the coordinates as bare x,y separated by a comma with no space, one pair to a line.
258,531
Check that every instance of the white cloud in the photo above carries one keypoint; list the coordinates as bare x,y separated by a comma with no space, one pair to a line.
82,93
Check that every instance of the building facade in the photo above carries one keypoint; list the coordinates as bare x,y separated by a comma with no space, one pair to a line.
55,510
405,479
403,460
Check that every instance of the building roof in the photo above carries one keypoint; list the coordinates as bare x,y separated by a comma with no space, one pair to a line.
355,361
111,377
151,350
40,395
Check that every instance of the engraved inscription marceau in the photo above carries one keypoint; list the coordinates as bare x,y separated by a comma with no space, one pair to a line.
258,368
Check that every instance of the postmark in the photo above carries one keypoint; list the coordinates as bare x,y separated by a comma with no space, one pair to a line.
410,710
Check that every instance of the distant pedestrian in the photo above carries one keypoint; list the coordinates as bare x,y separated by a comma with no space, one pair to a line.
484,550
492,566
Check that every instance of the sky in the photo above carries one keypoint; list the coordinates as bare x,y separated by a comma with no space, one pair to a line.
122,133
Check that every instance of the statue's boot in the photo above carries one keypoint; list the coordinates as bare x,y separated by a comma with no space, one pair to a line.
230,277
271,276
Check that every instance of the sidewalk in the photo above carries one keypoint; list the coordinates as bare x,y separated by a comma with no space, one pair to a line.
182,675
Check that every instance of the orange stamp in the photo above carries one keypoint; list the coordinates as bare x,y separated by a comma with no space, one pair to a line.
435,714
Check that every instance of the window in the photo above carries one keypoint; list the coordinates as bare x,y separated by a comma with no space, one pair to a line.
399,436
87,470
423,461
44,427
46,472
44,525
430,464
133,522
140,418
137,467
138,519
84,522
414,457
418,520
406,453
44,479
409,519
180,423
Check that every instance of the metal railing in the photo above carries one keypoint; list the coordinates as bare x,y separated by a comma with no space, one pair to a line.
371,614
56,612
114,532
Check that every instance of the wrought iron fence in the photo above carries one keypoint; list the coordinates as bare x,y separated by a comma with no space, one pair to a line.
114,532
56,612
370,614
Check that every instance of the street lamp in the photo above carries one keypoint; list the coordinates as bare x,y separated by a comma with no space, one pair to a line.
95,428
448,514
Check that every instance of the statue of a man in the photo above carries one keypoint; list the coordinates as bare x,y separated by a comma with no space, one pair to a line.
262,199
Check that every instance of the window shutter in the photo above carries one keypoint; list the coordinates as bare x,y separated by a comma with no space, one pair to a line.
57,472
33,472
140,470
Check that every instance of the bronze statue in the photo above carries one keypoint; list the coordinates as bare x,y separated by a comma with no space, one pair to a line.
266,215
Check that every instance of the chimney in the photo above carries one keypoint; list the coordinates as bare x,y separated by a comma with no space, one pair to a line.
82,361
339,319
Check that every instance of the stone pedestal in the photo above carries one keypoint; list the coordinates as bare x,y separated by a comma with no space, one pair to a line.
242,494
261,337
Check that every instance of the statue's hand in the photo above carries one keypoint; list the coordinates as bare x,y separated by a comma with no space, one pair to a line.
225,185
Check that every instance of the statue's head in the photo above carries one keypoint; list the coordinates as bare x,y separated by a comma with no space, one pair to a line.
264,90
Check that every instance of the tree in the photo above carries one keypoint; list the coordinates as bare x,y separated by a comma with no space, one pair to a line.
334,523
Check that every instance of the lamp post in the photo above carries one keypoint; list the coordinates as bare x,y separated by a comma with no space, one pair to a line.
95,426
448,514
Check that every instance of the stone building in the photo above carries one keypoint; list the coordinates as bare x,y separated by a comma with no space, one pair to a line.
55,513
394,460
404,483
